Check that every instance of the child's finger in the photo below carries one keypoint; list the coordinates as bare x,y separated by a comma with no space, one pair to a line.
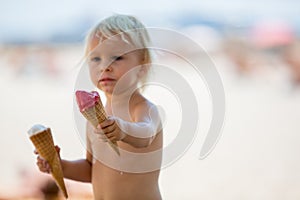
106,123
45,162
103,138
113,139
39,158
57,148
43,165
48,167
39,163
109,129
98,130
110,135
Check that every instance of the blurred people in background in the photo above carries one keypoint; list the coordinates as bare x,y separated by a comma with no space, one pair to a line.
28,60
242,54
266,49
292,57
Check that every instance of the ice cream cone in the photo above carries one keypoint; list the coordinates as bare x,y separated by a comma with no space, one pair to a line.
92,109
44,145
96,115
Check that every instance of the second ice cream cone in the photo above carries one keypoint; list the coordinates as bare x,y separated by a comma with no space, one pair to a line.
44,145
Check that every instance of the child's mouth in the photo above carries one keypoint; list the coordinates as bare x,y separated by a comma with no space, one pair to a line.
105,80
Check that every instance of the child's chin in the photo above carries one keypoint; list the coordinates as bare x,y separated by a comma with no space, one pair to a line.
106,90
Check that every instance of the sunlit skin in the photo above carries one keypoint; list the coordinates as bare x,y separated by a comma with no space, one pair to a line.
108,64
111,60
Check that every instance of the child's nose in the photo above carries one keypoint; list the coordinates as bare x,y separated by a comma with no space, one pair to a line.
105,66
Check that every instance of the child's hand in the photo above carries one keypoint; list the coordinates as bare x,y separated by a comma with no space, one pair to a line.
109,129
42,163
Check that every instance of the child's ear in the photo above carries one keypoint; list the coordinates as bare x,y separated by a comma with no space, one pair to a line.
145,57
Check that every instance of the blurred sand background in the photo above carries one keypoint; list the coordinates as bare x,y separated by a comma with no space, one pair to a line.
256,157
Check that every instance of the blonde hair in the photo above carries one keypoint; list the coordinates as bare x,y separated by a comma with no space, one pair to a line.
121,25
129,28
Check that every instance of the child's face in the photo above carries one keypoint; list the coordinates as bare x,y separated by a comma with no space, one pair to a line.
108,62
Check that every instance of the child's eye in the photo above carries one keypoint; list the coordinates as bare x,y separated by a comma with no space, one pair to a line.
95,59
116,58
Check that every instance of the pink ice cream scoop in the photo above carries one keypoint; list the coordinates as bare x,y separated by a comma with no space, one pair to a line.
86,100
91,107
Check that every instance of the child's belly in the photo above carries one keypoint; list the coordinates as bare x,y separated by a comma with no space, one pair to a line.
110,184
131,160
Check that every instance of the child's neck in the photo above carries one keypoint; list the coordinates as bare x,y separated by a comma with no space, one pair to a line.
121,104
122,98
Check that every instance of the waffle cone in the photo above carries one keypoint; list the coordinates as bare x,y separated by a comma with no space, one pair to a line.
44,145
96,115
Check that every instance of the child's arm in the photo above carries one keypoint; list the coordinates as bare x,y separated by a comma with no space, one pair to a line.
139,133
79,170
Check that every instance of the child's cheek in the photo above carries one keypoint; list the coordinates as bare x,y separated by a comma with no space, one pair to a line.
94,78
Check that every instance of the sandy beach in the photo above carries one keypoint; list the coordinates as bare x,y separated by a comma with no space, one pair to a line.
256,157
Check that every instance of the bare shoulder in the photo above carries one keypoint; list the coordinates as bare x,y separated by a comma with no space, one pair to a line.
144,103
144,110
